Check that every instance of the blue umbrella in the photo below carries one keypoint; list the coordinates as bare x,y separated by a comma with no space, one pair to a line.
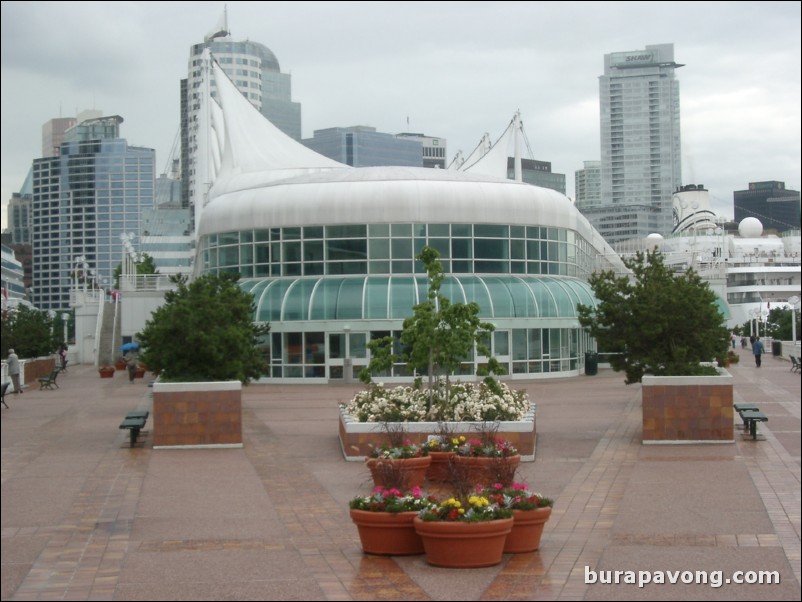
130,346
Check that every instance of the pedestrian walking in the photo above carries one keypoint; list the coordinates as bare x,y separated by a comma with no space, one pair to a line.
132,363
757,350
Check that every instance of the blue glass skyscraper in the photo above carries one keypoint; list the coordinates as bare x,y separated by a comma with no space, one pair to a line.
83,200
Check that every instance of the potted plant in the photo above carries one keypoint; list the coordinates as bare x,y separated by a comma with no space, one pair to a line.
468,409
401,466
530,511
464,533
106,371
666,330
384,520
442,449
205,345
486,460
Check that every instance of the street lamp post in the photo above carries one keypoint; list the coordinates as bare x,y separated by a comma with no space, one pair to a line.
65,317
793,301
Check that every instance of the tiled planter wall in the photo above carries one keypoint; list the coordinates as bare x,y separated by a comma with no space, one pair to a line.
688,409
197,414
358,439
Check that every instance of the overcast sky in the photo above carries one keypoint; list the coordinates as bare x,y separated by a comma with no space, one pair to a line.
455,70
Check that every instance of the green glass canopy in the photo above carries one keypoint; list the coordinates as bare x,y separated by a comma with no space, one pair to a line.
392,297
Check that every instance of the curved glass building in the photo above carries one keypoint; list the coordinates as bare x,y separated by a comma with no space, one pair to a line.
328,252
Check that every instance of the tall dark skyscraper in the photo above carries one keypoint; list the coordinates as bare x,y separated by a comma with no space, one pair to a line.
775,206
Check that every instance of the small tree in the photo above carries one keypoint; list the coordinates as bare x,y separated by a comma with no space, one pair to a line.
145,266
662,323
779,324
438,337
29,332
204,332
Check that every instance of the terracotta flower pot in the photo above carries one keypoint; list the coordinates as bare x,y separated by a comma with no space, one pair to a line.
486,471
106,372
454,544
526,531
387,533
120,364
402,474
440,467
140,373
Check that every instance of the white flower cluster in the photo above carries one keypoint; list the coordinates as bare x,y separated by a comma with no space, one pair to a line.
377,404
467,402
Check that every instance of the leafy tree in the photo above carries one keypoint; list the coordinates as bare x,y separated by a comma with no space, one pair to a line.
29,332
662,323
438,337
780,323
204,332
147,265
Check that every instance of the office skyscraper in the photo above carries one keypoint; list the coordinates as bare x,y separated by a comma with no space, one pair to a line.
434,149
537,173
771,202
83,199
640,143
587,185
255,71
363,146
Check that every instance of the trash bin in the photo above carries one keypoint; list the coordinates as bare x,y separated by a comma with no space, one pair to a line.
777,348
591,363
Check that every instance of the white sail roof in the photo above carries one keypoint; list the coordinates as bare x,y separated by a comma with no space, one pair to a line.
494,161
254,150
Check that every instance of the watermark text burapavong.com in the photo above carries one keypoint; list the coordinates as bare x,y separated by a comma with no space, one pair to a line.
711,578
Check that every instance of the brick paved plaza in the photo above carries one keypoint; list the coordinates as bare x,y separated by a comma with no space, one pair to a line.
84,517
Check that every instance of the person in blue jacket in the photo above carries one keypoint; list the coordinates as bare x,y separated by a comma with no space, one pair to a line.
757,350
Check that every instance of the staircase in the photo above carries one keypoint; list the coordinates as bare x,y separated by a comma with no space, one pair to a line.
110,339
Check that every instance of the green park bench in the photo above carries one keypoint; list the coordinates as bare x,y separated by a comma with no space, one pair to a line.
134,422
751,418
49,381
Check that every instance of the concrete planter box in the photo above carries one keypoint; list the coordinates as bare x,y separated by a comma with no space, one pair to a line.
688,409
188,415
358,439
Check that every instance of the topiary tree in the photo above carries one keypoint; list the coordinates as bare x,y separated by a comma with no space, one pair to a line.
662,323
204,332
438,337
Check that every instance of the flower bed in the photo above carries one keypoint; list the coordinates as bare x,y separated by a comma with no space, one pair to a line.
471,409
359,439
466,402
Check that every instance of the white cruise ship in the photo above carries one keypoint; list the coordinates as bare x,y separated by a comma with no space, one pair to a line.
752,272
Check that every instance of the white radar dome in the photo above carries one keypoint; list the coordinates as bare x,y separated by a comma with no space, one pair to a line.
750,227
655,236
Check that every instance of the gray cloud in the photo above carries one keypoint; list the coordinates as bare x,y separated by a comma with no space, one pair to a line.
456,70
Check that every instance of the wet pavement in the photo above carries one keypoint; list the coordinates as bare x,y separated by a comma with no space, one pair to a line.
85,517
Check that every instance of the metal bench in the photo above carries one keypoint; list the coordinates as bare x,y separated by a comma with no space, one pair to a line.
751,418
3,395
745,407
134,422
49,381
794,363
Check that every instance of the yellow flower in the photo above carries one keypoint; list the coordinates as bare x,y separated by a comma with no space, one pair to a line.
478,501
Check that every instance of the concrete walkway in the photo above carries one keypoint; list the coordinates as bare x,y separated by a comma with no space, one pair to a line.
84,517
